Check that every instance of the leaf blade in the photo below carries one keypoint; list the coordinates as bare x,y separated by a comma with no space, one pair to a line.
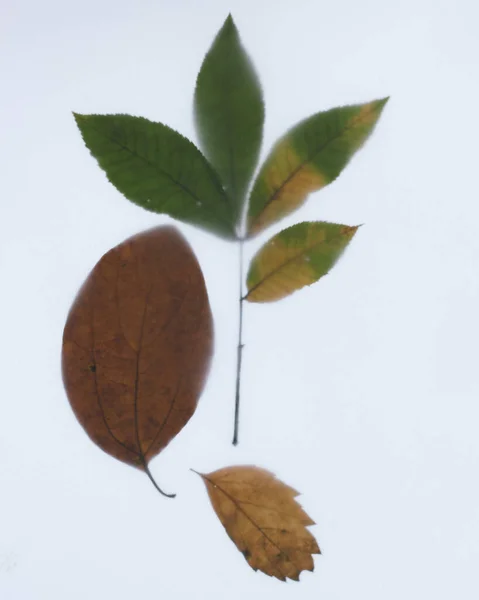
263,519
137,345
158,169
295,257
307,158
229,112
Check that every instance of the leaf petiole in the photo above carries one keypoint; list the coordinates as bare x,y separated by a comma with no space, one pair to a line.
150,476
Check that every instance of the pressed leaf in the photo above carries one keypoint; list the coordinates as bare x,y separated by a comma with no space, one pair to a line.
295,257
311,155
261,516
229,112
137,345
157,168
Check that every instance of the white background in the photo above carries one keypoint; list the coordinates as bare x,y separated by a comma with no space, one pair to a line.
361,391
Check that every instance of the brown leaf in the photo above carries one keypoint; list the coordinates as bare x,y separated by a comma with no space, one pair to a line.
262,518
137,345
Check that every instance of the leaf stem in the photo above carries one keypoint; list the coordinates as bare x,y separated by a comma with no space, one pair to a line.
240,345
147,471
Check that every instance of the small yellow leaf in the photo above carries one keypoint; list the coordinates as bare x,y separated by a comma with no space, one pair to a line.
294,258
261,516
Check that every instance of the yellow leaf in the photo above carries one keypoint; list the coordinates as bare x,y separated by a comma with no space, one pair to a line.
307,158
294,258
263,519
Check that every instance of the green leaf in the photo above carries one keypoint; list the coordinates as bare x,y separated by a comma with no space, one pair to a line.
311,155
229,112
295,257
157,168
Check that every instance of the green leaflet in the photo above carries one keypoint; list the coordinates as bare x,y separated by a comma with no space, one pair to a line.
229,112
295,257
311,155
157,168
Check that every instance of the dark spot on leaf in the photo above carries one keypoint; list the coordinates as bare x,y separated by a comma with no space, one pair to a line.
246,553
92,368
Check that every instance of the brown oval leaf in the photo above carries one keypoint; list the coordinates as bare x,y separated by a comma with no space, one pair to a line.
261,516
137,345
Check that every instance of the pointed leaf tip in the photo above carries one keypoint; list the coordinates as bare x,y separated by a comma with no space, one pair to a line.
229,21
197,472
